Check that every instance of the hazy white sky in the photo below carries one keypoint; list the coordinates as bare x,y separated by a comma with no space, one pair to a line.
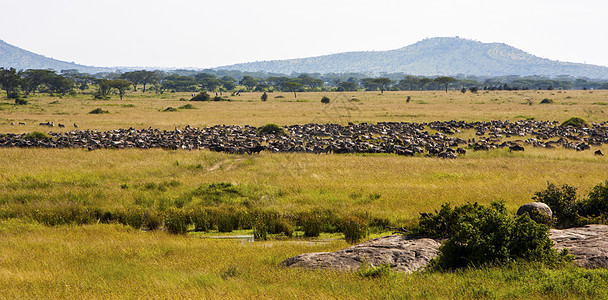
188,33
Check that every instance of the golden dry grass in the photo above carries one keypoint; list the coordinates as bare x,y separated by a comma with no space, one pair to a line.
110,261
143,110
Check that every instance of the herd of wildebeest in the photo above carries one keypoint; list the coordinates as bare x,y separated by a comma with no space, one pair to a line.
402,138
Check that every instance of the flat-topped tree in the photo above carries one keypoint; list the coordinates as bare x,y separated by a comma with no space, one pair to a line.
445,80
293,86
382,83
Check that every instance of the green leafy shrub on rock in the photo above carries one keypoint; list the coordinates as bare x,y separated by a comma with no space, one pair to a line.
478,235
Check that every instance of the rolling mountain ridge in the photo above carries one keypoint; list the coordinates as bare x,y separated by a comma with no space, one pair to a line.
20,59
434,56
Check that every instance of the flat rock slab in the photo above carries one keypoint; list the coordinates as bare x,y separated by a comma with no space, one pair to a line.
588,243
402,254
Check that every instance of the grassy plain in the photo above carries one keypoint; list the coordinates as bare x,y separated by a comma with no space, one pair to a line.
111,261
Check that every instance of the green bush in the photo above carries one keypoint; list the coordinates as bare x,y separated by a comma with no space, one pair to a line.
152,220
36,135
98,111
569,211
546,101
354,229
563,203
575,122
132,217
478,236
201,220
596,204
260,230
325,100
177,221
272,129
202,96
20,101
187,106
311,225
225,223
170,109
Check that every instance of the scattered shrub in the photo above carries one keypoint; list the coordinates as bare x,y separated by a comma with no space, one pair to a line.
354,229
177,221
311,224
272,128
575,122
36,135
562,201
202,96
152,220
170,109
569,211
260,231
201,220
187,106
98,111
20,101
225,223
546,101
132,217
325,100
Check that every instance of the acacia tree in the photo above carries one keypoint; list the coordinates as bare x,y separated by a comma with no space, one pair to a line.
293,86
10,79
445,80
121,85
142,77
382,83
249,82
33,78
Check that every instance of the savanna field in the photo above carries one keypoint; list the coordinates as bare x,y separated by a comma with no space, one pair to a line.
73,221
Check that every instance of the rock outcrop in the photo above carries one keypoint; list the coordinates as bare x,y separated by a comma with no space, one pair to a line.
402,254
589,244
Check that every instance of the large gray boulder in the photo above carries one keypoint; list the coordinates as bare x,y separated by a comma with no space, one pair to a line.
538,211
402,254
589,244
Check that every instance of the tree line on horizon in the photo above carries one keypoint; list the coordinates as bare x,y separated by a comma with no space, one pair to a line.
18,84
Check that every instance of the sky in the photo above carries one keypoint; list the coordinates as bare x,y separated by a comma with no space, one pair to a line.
205,34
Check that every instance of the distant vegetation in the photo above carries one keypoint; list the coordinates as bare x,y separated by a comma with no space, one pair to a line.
102,86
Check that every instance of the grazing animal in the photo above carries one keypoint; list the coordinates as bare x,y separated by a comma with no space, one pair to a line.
75,126
61,125
599,153
21,123
12,123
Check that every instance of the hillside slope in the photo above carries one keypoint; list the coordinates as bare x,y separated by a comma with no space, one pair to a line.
434,56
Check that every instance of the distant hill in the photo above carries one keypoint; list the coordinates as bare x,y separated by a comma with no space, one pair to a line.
15,57
434,56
